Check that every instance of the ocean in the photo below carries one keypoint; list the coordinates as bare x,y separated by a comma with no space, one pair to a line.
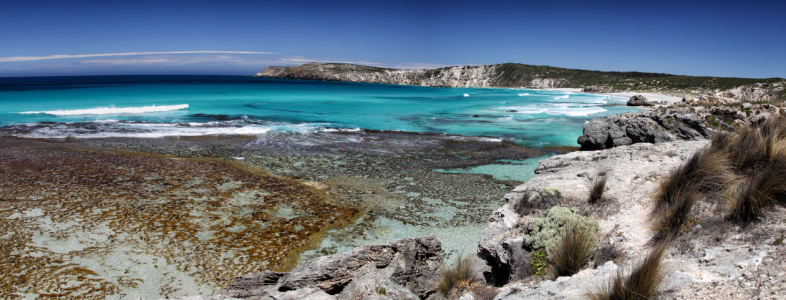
158,106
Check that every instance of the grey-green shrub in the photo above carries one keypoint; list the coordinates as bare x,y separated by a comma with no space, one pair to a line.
544,231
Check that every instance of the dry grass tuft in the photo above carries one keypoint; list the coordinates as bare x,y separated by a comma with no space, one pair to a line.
705,170
462,270
670,221
485,292
597,187
522,206
573,248
642,282
749,197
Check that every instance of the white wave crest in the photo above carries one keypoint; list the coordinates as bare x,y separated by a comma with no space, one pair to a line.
466,95
524,94
561,97
110,110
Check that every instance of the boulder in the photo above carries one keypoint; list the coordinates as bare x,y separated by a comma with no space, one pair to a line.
413,264
648,126
638,100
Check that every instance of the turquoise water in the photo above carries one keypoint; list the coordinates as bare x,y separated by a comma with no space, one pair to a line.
507,169
155,106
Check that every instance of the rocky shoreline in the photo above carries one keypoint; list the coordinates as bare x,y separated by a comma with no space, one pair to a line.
635,152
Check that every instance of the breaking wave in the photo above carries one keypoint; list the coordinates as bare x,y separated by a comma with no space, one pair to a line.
110,110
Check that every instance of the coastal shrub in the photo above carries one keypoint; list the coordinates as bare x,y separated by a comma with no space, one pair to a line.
597,187
461,270
544,231
572,249
642,282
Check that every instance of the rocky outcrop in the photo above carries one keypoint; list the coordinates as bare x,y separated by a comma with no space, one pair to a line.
407,268
648,126
598,89
639,100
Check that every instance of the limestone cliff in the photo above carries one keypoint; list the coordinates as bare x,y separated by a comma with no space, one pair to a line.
460,76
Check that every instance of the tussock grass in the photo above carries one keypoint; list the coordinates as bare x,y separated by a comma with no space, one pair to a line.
597,187
669,221
750,196
642,282
572,249
705,170
462,270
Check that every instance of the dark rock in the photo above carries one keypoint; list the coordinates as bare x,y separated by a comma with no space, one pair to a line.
638,100
648,126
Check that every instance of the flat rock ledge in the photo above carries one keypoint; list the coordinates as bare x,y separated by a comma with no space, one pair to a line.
647,126
634,172
401,269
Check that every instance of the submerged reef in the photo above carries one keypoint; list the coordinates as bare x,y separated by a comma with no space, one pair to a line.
78,223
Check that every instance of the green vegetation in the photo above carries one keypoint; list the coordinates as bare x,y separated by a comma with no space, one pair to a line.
712,120
572,249
642,282
462,270
540,262
514,74
544,231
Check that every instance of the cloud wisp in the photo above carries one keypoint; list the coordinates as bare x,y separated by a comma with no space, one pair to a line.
62,56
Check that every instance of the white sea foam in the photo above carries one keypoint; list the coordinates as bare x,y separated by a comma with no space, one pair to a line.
561,97
110,110
568,109
466,95
524,94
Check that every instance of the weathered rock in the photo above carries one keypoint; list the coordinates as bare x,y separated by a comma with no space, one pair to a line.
369,283
413,263
638,100
648,126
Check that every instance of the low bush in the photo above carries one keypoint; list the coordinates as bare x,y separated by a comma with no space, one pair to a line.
462,270
545,229
642,282
572,249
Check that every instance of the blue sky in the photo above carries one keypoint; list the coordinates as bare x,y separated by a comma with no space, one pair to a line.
713,38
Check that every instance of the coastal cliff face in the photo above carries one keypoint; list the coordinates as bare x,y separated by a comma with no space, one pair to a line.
461,76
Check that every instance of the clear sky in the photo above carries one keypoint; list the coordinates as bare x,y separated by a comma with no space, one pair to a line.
712,38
